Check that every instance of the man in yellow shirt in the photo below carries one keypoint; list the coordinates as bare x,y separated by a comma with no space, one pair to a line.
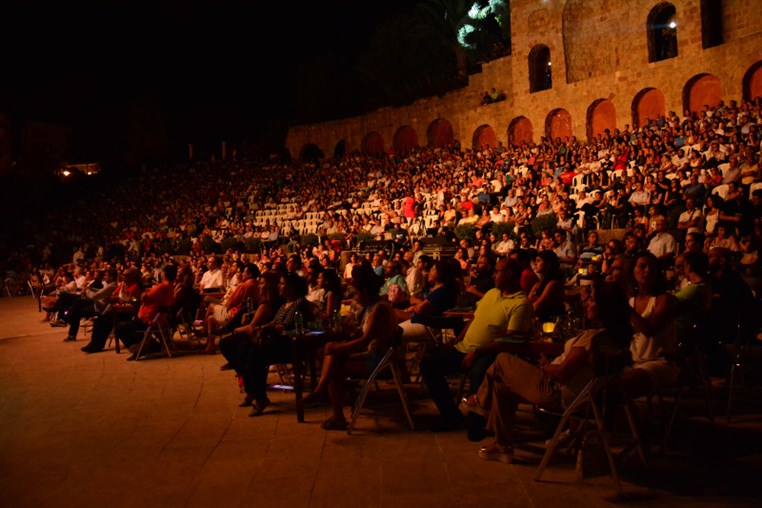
503,314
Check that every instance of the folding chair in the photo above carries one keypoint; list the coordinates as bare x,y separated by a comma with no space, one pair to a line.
157,330
437,328
692,362
594,404
390,362
183,325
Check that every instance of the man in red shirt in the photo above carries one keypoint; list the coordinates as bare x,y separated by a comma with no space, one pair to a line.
155,300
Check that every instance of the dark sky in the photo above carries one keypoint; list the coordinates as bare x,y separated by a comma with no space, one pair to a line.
218,69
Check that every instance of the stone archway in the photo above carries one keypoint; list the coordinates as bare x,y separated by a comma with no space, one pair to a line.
373,143
661,28
440,133
601,116
558,124
648,104
311,152
701,90
341,149
540,76
484,137
752,82
405,139
520,131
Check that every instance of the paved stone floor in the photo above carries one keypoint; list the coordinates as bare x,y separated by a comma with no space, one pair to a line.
96,430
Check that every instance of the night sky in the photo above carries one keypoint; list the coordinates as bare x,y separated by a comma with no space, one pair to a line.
216,69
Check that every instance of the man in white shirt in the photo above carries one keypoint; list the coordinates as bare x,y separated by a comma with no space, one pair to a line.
212,278
691,219
663,245
639,196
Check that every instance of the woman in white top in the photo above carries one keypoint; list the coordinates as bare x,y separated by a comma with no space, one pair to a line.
711,213
654,343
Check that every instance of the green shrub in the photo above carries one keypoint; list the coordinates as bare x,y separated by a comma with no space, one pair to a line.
184,246
252,245
229,242
209,246
498,228
309,240
544,222
364,236
466,231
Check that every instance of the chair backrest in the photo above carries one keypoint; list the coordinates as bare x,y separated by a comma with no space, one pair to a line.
455,323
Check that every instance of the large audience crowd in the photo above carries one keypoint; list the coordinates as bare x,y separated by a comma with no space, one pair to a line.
659,224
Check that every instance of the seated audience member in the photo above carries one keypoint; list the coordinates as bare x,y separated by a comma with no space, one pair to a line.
61,299
547,295
504,246
735,312
441,296
512,380
126,292
229,312
268,302
272,344
503,312
394,288
186,298
694,300
329,282
565,250
750,264
724,237
156,299
362,350
662,245
315,294
94,302
654,343
592,248
528,276
481,280
213,279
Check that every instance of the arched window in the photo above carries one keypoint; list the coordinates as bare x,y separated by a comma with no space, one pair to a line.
540,77
662,32
711,23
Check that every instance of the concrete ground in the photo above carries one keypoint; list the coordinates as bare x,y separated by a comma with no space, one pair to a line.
97,430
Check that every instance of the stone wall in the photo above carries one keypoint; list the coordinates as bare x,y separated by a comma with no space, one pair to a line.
598,50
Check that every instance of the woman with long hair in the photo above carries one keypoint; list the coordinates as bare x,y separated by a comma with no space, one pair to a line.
442,294
328,280
268,301
273,344
361,350
653,320
547,295
512,380
712,205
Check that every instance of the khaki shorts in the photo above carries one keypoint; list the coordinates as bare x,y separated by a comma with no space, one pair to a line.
221,314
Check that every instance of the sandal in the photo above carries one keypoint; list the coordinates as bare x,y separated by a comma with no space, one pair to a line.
470,404
333,424
258,407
